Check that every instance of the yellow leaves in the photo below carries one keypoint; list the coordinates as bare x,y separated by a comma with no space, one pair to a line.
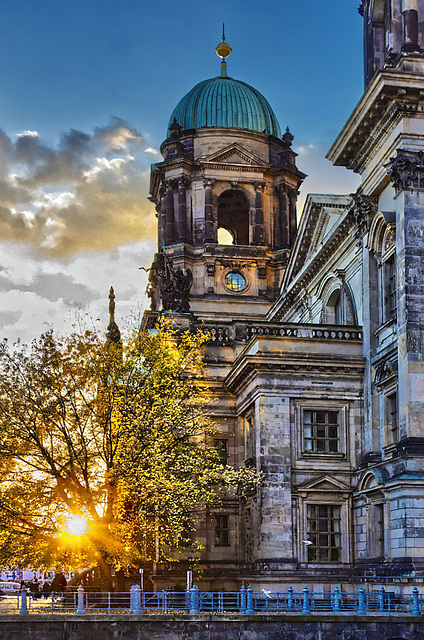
119,437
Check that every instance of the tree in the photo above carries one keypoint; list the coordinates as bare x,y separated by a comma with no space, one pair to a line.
115,435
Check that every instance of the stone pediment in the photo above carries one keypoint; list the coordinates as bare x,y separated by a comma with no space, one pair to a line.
234,154
324,483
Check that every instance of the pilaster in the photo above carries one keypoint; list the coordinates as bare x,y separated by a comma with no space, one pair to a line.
258,227
406,171
209,222
182,226
272,422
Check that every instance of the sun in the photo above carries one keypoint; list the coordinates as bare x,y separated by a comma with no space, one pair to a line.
76,525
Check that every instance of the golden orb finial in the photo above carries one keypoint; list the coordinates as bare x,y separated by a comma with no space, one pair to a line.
223,49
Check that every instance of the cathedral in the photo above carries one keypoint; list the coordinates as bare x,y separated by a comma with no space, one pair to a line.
316,350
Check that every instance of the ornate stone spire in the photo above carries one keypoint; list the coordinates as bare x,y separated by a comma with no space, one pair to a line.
113,334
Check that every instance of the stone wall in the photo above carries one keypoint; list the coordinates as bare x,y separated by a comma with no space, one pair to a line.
205,627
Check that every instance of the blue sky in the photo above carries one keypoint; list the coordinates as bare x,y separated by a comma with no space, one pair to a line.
73,64
86,90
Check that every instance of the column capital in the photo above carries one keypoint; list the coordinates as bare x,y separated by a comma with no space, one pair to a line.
164,188
406,170
208,182
259,186
364,208
172,184
283,187
183,182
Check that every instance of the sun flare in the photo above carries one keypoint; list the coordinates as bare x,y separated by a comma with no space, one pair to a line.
76,525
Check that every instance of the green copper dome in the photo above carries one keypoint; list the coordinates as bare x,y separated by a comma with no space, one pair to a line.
228,103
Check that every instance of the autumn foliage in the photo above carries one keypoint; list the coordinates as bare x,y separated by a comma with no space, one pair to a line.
115,433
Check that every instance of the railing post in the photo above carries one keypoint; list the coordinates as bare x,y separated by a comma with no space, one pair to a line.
415,603
381,599
194,600
137,610
242,599
336,600
23,611
306,610
290,598
80,609
361,601
132,598
249,601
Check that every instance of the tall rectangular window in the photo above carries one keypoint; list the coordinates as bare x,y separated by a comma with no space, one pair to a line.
324,532
392,420
222,530
321,431
392,286
389,288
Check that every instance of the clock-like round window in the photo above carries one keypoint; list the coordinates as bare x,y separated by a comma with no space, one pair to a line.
234,281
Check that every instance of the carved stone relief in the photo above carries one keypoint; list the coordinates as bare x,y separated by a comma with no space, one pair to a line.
406,170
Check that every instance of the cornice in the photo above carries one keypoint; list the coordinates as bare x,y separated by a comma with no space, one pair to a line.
176,163
205,165
306,231
309,271
391,95
294,364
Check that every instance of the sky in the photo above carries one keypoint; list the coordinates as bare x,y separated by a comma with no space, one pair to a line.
86,91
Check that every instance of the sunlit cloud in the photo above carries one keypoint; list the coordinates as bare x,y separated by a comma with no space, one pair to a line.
86,193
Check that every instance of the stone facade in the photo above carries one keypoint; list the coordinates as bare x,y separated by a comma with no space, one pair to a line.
316,355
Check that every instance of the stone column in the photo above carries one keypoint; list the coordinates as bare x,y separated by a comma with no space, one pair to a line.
170,214
292,215
161,209
258,227
282,222
410,25
182,227
209,223
406,170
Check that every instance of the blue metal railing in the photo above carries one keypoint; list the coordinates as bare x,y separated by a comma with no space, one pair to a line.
245,601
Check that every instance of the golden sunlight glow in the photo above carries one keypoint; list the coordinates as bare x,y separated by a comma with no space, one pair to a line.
76,525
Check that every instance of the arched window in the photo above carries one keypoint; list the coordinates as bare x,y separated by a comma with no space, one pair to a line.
381,244
233,217
338,306
333,310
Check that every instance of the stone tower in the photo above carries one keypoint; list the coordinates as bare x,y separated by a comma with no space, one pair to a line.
391,27
225,197
383,141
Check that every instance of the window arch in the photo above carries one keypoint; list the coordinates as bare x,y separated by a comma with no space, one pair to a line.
233,217
382,245
338,305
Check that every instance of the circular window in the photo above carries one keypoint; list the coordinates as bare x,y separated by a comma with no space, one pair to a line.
235,281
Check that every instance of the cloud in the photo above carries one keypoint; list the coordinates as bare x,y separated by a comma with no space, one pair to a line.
37,293
86,193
